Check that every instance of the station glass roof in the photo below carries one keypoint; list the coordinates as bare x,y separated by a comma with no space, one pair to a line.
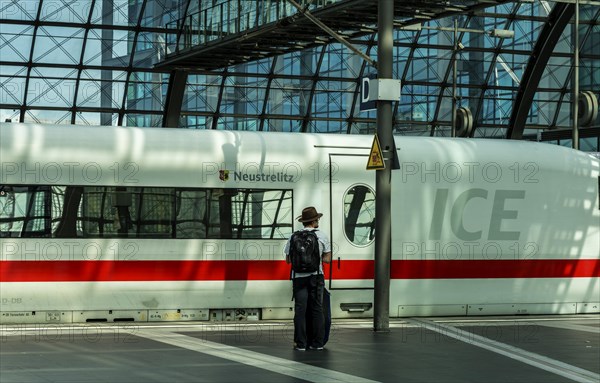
93,62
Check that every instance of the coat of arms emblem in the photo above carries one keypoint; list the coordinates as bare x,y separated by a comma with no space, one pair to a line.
223,175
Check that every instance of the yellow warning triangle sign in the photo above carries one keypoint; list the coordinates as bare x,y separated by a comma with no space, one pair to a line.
376,156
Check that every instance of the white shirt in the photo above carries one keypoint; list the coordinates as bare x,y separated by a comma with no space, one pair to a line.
324,247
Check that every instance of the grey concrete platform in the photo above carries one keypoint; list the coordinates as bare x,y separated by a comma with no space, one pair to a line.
500,349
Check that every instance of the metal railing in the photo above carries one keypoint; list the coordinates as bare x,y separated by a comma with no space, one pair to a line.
231,17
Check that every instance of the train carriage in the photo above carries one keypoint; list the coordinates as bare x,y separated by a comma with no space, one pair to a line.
114,223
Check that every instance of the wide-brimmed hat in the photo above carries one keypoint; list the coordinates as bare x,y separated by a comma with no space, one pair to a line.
309,214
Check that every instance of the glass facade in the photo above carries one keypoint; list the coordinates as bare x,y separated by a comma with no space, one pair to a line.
93,62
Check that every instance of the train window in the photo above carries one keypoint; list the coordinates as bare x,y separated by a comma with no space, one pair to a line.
234,213
65,210
359,215
58,197
191,213
151,211
25,211
127,212
220,214
262,214
145,212
249,213
99,213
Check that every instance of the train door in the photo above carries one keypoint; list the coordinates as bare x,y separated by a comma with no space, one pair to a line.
352,206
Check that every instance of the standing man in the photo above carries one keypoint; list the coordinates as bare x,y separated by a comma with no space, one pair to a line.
306,250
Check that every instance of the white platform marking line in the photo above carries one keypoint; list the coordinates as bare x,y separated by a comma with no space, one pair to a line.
252,358
551,365
571,326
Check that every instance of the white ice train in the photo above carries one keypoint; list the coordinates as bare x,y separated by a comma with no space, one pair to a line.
113,223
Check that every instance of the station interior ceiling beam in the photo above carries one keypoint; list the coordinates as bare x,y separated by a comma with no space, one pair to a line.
558,20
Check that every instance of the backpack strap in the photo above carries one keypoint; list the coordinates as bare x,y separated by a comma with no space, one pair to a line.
290,255
320,254
320,257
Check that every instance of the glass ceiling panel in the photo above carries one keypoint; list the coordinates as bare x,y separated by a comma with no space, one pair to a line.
258,67
9,114
98,13
429,65
334,99
327,126
13,70
341,62
58,45
18,10
202,93
161,12
121,12
48,116
101,89
146,120
106,47
68,11
44,90
509,68
304,63
12,89
15,42
281,125
146,91
497,107
95,118
145,53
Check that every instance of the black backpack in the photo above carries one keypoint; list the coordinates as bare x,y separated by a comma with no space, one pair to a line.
304,251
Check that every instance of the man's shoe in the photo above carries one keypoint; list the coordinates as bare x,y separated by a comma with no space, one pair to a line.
316,348
299,348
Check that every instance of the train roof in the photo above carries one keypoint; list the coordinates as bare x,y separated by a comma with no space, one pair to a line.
39,142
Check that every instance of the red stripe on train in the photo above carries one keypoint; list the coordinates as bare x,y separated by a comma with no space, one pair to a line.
144,270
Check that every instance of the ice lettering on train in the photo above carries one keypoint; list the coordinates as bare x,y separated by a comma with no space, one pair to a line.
497,211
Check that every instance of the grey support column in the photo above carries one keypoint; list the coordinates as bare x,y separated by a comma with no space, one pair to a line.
385,46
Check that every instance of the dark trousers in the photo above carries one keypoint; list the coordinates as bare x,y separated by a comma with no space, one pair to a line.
326,318
308,291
